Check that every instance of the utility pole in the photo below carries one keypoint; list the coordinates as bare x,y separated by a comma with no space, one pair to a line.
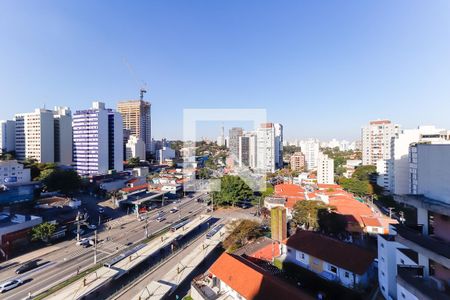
77,219
95,247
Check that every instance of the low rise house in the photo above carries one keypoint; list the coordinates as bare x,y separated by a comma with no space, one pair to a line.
234,277
329,258
12,172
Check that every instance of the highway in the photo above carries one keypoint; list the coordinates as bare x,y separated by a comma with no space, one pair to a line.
64,262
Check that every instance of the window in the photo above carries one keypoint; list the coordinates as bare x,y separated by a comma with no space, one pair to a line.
383,288
382,245
347,274
402,261
332,269
403,295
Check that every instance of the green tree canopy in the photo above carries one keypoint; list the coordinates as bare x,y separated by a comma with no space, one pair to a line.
232,190
243,232
306,213
133,162
65,181
43,231
364,172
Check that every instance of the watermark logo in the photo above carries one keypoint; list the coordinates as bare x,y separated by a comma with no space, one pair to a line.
245,168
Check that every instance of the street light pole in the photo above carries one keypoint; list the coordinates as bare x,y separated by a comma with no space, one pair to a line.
95,247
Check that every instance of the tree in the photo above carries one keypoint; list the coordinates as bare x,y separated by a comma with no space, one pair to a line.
232,190
243,232
364,172
134,162
43,231
204,173
331,222
356,186
65,181
306,213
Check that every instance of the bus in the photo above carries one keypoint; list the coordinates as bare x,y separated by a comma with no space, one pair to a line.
214,231
177,226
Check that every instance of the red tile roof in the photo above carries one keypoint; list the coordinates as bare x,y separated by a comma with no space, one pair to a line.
288,189
251,281
328,186
135,188
343,255
371,221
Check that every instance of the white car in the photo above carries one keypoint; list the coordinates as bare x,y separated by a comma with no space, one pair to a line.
9,285
173,210
92,226
83,241
160,219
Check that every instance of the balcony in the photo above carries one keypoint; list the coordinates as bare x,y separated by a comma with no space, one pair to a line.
411,278
429,246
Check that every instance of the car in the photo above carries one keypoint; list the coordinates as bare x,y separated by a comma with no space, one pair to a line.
173,210
27,267
92,226
101,210
82,242
92,242
160,219
9,285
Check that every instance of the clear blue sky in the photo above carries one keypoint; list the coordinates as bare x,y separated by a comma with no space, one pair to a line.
322,68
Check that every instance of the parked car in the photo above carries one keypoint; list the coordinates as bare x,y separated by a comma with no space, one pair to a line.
82,242
9,285
92,226
27,267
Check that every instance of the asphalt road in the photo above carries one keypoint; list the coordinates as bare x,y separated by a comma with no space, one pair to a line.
64,262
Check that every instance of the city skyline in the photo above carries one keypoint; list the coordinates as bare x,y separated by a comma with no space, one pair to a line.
60,54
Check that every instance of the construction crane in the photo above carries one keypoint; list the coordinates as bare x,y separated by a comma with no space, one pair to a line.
142,84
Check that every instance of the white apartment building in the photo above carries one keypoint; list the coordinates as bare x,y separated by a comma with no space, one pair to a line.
376,147
265,145
414,260
310,148
376,141
97,140
429,171
247,150
398,165
13,172
135,147
325,170
7,136
63,137
35,136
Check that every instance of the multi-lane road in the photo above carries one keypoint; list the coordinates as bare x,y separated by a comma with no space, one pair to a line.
70,258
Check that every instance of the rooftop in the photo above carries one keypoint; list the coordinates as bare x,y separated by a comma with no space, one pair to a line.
332,251
251,281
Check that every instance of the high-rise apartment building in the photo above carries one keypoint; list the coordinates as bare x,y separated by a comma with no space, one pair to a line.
325,170
265,145
7,136
398,165
247,150
297,161
35,136
376,141
278,145
62,118
376,147
136,116
97,140
233,141
310,148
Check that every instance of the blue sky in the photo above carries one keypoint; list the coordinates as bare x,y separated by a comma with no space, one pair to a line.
321,68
